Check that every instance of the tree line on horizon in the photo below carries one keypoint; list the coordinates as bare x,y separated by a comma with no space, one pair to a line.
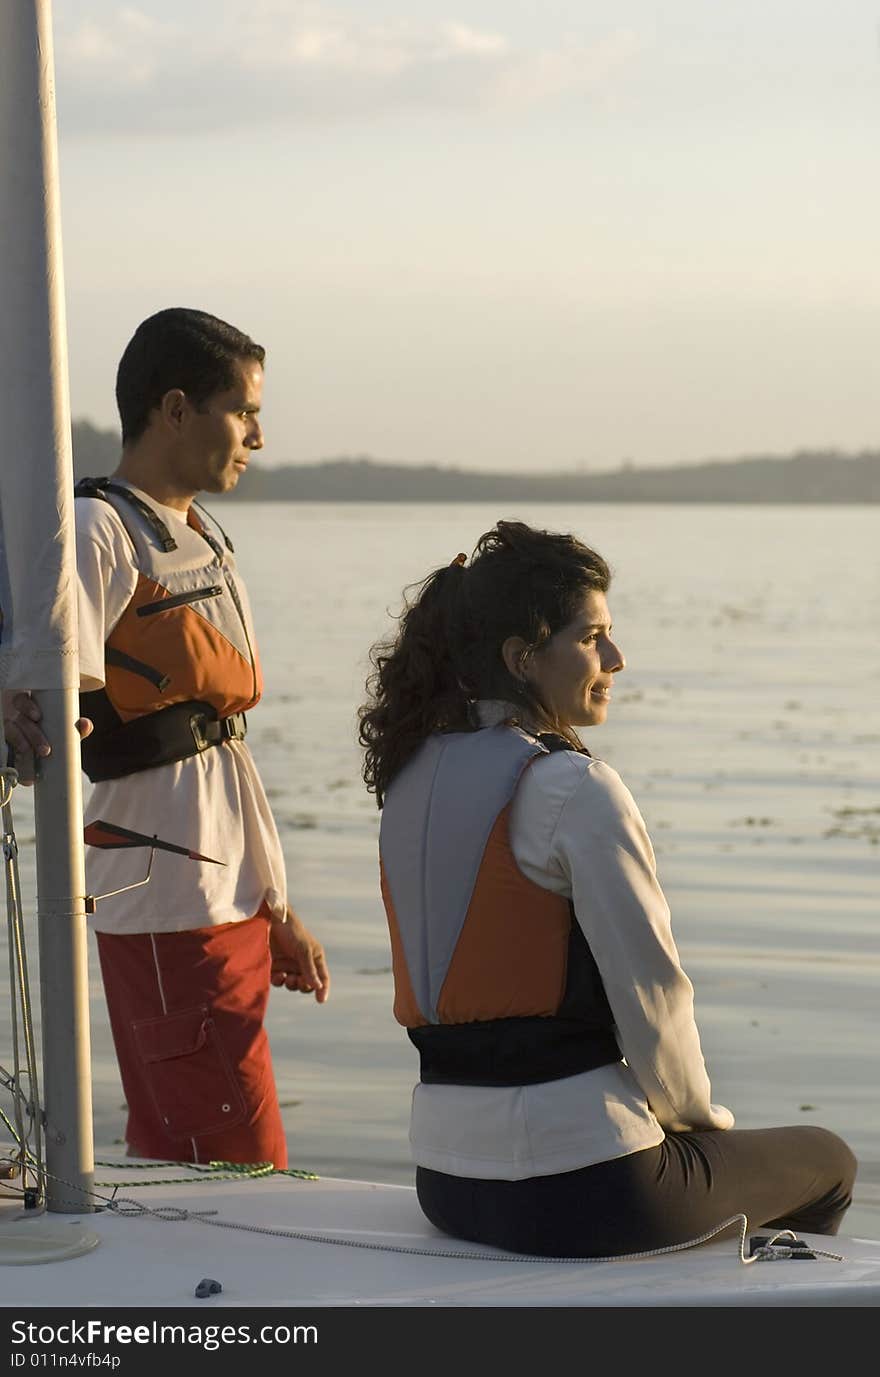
816,476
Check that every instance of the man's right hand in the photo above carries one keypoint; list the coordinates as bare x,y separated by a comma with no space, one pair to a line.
21,719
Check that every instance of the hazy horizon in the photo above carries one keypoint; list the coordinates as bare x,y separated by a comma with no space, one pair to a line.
275,459
505,238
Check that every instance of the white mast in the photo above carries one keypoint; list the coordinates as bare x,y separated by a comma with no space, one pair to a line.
39,646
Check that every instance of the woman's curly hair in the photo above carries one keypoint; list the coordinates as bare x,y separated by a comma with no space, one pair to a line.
447,650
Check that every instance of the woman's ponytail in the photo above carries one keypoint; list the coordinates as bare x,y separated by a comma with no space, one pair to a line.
416,686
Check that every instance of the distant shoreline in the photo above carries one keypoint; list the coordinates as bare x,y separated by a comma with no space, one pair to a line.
548,500
823,477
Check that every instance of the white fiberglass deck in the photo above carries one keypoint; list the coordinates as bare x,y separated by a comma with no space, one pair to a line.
148,1261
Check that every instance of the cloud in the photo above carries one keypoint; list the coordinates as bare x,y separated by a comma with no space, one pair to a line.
127,50
274,61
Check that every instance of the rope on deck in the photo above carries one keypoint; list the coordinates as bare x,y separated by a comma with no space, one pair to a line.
771,1251
205,1171
777,1247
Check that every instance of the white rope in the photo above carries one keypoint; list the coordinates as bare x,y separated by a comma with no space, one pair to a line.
128,1208
767,1252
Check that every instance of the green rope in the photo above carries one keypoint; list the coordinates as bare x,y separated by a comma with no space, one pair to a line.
214,1171
207,1171
199,1171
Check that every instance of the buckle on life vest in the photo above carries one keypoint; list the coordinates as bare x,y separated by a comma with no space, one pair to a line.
206,732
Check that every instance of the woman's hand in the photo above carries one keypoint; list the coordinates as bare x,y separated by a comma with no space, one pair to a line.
298,961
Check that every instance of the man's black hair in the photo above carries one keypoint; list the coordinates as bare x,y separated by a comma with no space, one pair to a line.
177,348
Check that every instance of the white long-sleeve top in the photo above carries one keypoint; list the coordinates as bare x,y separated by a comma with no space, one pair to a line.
575,829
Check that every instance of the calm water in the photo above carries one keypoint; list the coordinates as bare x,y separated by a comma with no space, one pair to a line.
746,725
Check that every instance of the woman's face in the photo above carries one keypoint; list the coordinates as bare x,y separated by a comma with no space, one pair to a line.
572,673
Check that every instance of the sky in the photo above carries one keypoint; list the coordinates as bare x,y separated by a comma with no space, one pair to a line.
497,234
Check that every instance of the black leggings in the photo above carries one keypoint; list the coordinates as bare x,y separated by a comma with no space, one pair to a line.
797,1178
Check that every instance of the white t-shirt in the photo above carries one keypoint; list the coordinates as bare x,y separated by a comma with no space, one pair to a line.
213,803
575,829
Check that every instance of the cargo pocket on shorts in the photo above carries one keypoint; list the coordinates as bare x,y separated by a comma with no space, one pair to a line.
189,1075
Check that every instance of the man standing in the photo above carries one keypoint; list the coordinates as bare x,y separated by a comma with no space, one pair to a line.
169,666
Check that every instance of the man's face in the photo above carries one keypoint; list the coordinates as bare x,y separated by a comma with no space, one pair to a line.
221,434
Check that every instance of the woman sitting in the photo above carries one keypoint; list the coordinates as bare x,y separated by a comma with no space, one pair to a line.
564,1107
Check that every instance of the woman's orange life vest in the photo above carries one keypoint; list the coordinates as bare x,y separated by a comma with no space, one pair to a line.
493,977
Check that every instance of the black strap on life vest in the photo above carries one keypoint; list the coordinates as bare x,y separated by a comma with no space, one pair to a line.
554,742
523,1051
511,1051
181,730
99,487
212,518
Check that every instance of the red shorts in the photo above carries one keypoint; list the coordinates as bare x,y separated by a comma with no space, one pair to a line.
186,1011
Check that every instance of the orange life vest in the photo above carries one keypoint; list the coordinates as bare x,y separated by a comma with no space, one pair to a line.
182,656
494,979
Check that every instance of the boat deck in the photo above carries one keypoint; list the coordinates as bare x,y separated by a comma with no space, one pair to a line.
367,1245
